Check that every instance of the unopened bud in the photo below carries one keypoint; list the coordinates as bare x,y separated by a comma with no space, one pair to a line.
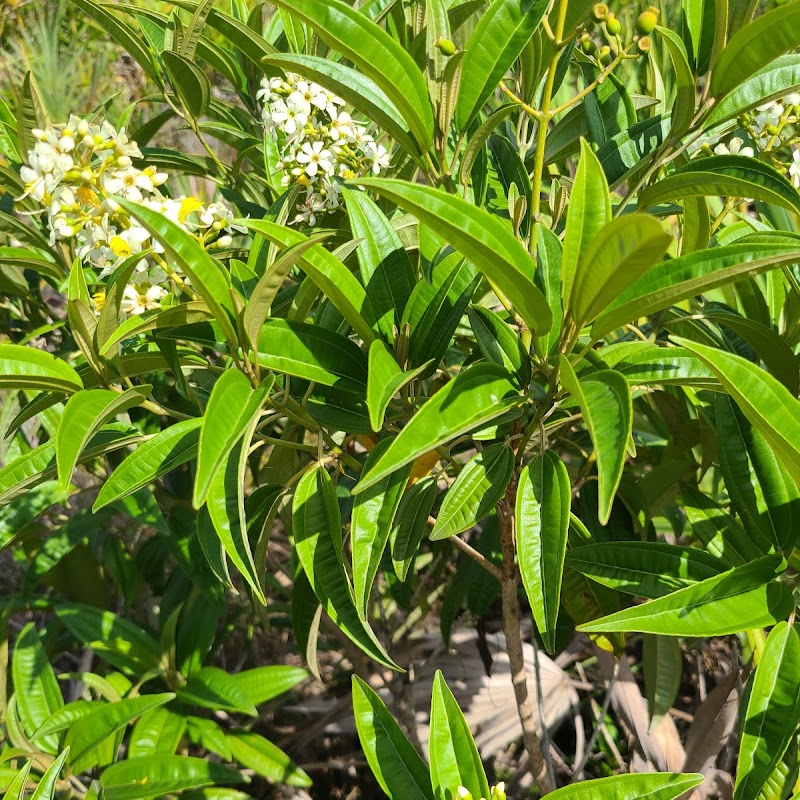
445,46
646,22
613,25
224,241
588,46
604,55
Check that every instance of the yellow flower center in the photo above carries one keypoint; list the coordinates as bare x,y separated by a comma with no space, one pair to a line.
188,206
120,247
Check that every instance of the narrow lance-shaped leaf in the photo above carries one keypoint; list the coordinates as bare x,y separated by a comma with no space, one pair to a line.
588,212
317,527
542,514
167,450
454,757
332,277
740,599
477,395
384,380
398,767
619,253
28,368
258,306
46,788
766,402
231,407
371,523
493,47
754,46
656,786
475,491
605,402
385,267
265,758
410,525
84,414
663,671
479,236
681,278
773,711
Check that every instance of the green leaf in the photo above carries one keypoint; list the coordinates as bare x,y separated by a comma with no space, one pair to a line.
265,291
386,270
398,767
620,252
262,684
724,176
16,787
542,512
376,54
225,502
648,569
410,525
740,599
755,46
626,151
720,533
153,458
493,47
681,278
152,776
454,758
158,732
649,363
356,89
764,496
37,692
84,414
384,381
39,464
776,80
332,277
232,407
766,402
435,309
475,491
480,236
46,789
28,368
317,526
655,786
605,402
499,343
116,640
683,77
588,213
123,34
476,396
212,687
264,758
663,670
773,711
190,83
371,523
312,353
207,275
87,733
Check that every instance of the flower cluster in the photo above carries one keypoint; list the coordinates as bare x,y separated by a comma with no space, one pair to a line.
77,169
320,144
773,130
497,793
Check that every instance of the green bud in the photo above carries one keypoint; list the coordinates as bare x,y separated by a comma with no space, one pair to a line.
646,22
445,46
604,55
613,25
588,46
772,130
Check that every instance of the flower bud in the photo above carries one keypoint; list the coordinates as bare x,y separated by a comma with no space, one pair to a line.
613,25
224,241
124,161
646,22
588,46
445,46
83,128
599,12
604,55
772,130
706,150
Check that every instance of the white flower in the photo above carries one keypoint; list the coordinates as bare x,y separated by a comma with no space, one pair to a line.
140,297
378,156
315,157
794,169
128,182
734,148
